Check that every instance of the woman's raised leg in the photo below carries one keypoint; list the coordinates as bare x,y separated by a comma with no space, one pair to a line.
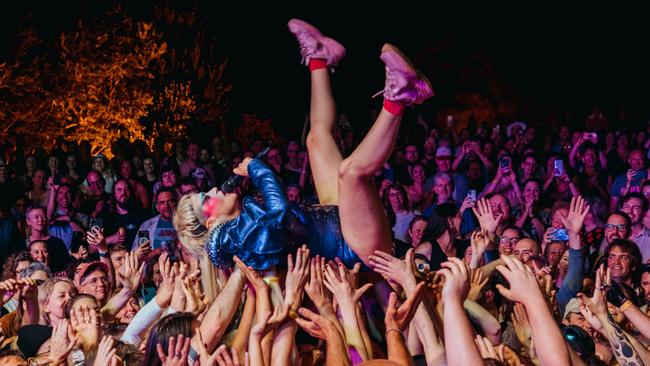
363,220
321,53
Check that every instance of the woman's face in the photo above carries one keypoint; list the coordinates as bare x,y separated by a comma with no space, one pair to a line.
98,164
137,162
20,267
554,253
169,179
30,163
418,174
563,265
128,311
609,139
221,205
59,298
39,178
395,198
148,165
416,232
589,157
556,217
507,241
532,191
53,162
71,162
39,252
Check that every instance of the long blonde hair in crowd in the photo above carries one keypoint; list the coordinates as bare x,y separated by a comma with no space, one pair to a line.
193,235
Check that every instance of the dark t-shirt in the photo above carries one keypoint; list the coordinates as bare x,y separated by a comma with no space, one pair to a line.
131,222
438,256
58,254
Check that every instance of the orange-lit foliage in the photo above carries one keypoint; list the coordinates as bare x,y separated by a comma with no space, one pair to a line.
114,77
253,127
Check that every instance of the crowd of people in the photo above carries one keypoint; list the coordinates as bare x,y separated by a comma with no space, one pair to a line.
488,244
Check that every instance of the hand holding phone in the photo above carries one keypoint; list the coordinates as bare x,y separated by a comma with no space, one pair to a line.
143,237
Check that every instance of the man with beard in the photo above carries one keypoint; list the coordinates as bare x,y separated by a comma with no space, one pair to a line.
635,206
160,228
121,225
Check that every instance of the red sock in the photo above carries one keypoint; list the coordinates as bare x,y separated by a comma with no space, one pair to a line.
317,63
395,108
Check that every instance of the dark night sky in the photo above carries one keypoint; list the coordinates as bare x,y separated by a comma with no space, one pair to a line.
571,58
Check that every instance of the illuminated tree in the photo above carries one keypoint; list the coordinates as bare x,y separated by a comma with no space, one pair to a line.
114,77
24,100
106,82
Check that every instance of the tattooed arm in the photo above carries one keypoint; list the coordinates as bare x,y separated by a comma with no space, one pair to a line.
624,351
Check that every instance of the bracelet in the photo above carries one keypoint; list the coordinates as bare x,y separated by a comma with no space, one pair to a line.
103,254
626,304
394,330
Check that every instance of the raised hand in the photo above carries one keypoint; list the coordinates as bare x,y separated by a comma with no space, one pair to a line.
315,288
399,317
596,304
62,342
477,281
522,280
521,325
85,324
456,276
143,251
130,275
574,220
251,274
177,351
192,291
485,215
340,286
178,300
480,241
95,237
317,326
297,275
166,288
395,270
106,352
487,350
221,356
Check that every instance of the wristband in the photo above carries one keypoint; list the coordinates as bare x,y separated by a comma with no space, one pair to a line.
103,254
626,304
394,330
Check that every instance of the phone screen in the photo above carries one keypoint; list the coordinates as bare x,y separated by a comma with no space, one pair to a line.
505,163
558,168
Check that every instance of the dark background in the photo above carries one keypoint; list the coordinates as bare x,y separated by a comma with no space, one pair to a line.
556,58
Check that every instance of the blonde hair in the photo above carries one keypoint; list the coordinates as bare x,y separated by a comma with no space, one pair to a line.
193,236
45,291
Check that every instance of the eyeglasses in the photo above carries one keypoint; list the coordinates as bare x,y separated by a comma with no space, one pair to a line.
95,281
618,227
506,239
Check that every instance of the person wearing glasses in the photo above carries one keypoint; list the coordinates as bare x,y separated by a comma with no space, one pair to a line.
617,226
509,237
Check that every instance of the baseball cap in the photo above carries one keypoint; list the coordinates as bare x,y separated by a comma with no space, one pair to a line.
443,151
86,268
572,307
